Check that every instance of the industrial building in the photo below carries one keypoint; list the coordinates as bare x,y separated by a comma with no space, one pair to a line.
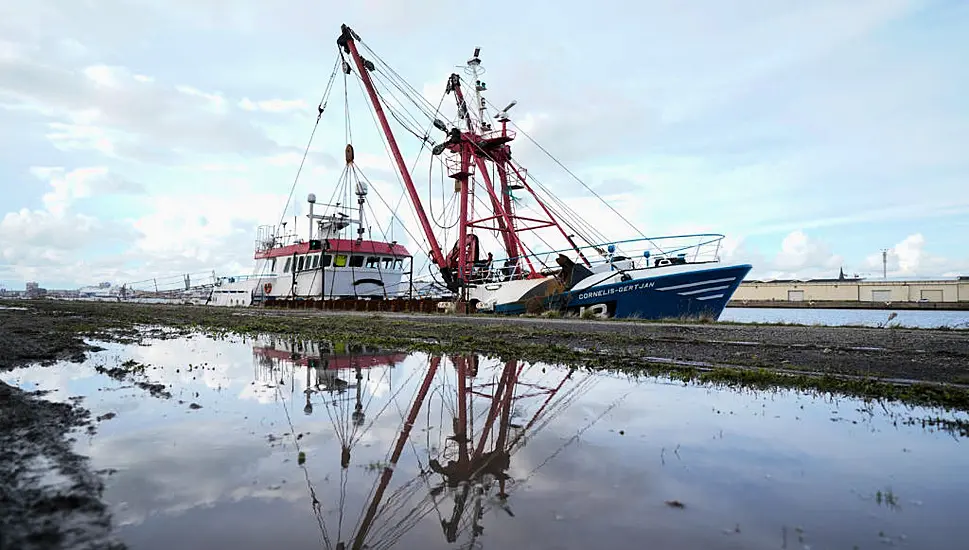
855,292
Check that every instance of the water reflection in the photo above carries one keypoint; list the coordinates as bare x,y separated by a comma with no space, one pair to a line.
322,363
485,413
327,445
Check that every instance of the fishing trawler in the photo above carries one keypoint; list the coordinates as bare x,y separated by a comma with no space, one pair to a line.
548,257
327,265
647,277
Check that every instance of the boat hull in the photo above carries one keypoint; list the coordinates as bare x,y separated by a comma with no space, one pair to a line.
687,294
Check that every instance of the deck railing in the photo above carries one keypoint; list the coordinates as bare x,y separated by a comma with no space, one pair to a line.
624,255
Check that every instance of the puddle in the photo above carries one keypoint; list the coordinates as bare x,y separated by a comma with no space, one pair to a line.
269,444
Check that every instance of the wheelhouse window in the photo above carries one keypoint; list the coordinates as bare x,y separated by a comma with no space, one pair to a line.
287,266
272,269
373,262
316,261
325,261
356,261
388,263
398,264
341,260
301,259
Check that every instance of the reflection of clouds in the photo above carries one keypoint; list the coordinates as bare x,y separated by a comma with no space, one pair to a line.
64,378
378,383
259,393
213,363
757,459
185,465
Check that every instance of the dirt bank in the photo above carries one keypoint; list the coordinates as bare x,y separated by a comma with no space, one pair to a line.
49,498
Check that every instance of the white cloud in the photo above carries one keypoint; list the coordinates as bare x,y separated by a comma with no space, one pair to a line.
34,244
66,187
800,252
41,233
113,111
273,105
909,252
104,75
909,258
200,225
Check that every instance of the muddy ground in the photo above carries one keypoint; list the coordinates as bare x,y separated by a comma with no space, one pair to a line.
49,498
50,330
34,434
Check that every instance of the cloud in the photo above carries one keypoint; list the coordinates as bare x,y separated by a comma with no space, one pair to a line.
738,119
273,105
119,113
36,244
802,256
799,252
909,258
615,186
66,187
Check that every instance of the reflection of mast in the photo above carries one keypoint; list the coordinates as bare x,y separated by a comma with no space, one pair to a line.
358,541
473,465
484,409
480,462
478,470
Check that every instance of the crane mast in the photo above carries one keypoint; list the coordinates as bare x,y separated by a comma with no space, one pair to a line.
470,152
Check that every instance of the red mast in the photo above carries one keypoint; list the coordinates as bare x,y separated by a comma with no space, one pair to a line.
346,41
470,149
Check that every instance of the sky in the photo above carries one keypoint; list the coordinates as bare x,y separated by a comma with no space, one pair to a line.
144,140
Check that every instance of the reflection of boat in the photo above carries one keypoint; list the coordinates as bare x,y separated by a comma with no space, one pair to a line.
460,469
553,258
325,355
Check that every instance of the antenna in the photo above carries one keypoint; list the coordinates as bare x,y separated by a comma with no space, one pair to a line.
502,115
475,70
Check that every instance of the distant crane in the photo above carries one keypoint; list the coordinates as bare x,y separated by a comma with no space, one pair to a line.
884,263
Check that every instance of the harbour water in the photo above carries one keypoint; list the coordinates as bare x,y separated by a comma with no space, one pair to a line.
273,444
854,317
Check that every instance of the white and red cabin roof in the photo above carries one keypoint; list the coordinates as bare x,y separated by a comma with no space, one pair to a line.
338,246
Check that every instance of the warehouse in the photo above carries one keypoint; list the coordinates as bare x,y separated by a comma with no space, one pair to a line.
847,292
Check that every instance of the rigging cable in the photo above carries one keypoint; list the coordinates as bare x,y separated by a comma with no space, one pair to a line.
321,108
569,172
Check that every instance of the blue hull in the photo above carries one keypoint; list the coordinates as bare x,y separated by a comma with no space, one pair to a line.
701,293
